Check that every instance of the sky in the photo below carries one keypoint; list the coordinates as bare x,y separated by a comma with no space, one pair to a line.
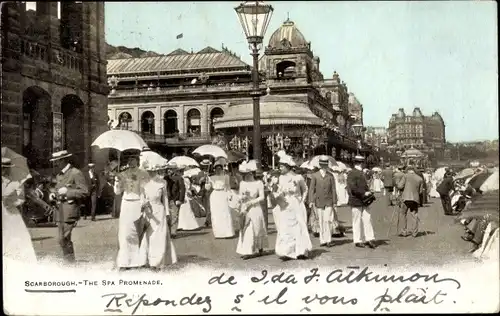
439,56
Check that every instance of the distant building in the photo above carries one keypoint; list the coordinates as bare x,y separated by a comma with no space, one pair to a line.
426,133
184,99
376,136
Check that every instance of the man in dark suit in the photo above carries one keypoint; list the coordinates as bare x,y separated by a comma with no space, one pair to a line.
176,195
412,187
444,189
94,185
71,189
423,194
323,198
358,190
388,180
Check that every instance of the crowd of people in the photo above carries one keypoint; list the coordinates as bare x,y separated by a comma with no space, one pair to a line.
154,202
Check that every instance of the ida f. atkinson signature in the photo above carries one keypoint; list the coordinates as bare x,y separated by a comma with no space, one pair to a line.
119,300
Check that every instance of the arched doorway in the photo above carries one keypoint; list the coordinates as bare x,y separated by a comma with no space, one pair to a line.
215,114
193,122
37,127
125,121
170,122
72,108
148,122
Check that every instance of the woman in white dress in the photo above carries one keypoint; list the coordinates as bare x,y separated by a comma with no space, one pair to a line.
253,234
16,238
434,183
377,182
131,253
341,186
293,240
222,221
160,248
187,219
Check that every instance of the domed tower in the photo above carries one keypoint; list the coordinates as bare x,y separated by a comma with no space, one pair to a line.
288,56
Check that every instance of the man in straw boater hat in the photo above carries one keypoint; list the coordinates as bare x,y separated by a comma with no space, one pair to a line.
71,191
357,188
176,195
322,200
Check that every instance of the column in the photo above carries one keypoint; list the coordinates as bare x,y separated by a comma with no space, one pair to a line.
136,125
158,121
204,122
180,120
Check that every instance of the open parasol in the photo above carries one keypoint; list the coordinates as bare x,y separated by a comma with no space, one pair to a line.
210,150
183,161
150,158
19,172
120,140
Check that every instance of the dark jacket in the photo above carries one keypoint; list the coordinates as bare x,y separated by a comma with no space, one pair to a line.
74,181
445,186
176,188
94,185
322,191
388,178
356,187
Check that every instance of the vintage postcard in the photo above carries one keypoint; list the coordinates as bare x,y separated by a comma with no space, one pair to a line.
249,157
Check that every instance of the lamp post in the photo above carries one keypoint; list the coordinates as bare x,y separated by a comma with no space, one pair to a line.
254,17
276,143
358,129
240,145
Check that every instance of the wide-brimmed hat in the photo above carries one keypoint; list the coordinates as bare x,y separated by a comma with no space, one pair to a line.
387,164
252,165
7,163
60,155
205,162
243,168
91,164
172,165
156,167
287,160
219,162
359,158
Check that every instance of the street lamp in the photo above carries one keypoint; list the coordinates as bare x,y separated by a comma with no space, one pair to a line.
358,129
276,143
254,17
287,142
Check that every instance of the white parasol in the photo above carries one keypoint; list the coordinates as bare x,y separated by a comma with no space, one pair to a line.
183,161
305,165
151,159
342,165
439,173
192,172
210,150
120,140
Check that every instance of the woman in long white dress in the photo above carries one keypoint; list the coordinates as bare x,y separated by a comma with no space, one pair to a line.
131,253
160,248
341,186
377,182
293,240
187,219
222,221
434,183
253,234
16,238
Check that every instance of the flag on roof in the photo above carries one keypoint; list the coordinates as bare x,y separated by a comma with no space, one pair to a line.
179,36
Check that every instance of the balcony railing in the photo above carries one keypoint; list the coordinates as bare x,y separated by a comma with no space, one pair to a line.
170,139
162,90
42,52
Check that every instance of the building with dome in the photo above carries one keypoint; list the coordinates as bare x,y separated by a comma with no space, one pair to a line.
184,99
419,132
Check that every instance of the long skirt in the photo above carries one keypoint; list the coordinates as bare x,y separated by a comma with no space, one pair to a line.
16,238
222,222
293,239
253,235
132,253
187,219
161,250
342,195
